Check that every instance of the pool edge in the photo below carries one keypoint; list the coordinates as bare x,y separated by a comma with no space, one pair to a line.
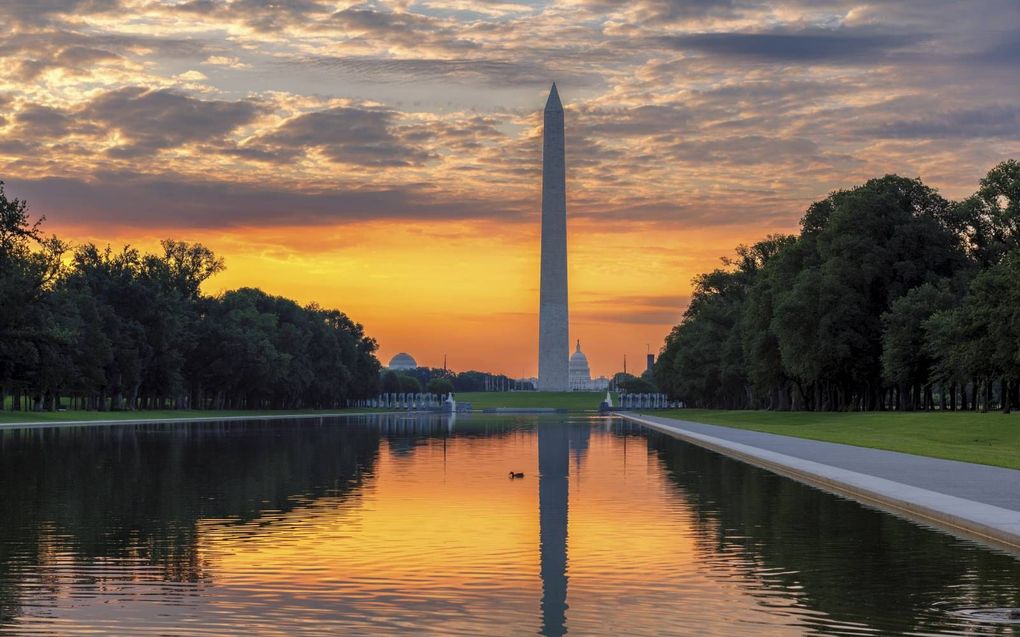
954,523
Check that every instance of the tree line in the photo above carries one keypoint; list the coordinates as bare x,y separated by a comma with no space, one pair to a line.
437,380
890,297
106,329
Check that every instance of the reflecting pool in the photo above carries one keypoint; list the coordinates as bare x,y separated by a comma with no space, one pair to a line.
393,525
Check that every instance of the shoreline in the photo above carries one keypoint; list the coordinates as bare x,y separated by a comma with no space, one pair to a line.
988,524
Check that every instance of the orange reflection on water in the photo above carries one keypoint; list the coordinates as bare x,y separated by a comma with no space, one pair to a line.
419,522
438,520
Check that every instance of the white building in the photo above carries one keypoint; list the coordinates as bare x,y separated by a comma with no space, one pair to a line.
402,361
580,373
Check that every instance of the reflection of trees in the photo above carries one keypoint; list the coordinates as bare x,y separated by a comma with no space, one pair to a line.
138,492
404,433
854,564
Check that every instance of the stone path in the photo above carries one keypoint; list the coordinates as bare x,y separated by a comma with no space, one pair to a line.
979,501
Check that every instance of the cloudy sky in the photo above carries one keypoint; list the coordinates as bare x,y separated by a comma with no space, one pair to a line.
384,157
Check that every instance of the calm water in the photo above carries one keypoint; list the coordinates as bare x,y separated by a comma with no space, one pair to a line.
396,525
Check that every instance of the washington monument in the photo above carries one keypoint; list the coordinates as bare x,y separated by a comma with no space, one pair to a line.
553,336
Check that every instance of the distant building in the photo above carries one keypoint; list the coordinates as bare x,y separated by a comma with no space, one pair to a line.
580,373
651,361
402,361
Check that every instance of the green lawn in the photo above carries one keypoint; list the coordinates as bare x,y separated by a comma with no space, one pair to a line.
574,401
992,438
8,417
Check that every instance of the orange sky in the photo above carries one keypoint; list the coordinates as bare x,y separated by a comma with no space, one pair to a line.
385,159
469,292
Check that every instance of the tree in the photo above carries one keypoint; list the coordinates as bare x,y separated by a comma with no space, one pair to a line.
440,386
30,335
408,384
390,382
990,219
906,361
981,338
873,244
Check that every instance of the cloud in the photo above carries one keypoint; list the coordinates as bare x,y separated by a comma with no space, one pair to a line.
262,15
643,120
42,122
995,121
151,120
192,76
670,10
178,201
225,60
1004,52
490,72
36,12
347,135
808,46
142,121
396,28
29,54
748,149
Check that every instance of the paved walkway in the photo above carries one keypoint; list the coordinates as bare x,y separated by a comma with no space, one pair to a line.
979,501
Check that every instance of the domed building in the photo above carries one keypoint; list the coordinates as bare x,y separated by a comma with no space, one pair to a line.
402,361
579,372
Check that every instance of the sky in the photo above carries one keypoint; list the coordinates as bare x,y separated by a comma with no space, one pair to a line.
384,158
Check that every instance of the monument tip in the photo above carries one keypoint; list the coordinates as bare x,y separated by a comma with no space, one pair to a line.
553,103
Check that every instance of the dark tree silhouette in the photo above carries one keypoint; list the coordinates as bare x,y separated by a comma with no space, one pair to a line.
891,297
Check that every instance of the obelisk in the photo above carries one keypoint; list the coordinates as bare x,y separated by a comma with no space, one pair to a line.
553,336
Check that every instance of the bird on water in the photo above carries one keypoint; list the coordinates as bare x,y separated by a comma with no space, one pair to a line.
514,475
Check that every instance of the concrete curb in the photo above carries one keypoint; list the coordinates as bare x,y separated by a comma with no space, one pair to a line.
985,523
161,421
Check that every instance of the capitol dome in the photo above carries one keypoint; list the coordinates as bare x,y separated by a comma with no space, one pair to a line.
403,360
579,370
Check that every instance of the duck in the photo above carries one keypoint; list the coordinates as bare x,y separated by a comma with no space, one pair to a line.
514,474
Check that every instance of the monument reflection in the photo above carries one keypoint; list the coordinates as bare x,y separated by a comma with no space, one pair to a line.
553,494
555,441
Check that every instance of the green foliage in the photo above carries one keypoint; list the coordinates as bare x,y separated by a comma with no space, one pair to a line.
857,312
440,386
649,377
122,330
408,384
474,381
906,359
390,382
633,384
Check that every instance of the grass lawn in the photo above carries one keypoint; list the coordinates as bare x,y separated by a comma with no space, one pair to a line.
574,401
8,417
992,438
